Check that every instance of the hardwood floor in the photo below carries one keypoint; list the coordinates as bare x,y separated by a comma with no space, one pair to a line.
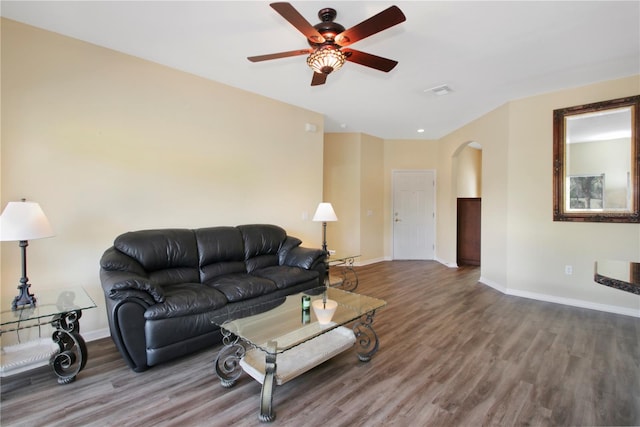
453,352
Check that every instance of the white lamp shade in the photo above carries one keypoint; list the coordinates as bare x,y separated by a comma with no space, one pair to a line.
325,213
24,221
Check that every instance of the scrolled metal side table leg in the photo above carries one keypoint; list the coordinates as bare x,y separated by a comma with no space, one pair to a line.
366,337
267,413
72,355
349,276
227,363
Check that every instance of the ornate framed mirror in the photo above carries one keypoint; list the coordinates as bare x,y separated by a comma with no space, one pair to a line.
595,161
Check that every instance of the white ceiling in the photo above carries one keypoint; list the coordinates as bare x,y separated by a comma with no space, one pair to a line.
488,52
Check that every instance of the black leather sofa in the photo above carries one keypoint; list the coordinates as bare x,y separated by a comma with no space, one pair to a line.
162,287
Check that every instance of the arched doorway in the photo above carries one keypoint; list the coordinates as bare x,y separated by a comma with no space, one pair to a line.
467,170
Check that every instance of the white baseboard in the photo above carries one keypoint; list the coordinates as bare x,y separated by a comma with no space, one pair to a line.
369,261
498,287
447,264
388,258
561,300
96,335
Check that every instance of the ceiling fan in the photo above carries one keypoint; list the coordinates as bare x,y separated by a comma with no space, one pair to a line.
328,38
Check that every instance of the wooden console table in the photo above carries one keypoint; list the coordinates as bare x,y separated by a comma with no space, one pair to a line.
622,275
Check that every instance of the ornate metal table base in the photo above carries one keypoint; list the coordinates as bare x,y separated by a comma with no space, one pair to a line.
72,355
366,337
228,369
343,267
228,359
267,413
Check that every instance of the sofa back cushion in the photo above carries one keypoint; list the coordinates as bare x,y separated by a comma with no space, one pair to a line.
221,252
261,244
168,256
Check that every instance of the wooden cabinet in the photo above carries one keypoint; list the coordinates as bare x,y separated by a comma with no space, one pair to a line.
468,231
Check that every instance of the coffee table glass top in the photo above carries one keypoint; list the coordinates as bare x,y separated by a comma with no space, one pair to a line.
48,303
284,323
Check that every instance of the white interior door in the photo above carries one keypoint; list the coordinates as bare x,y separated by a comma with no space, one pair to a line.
414,214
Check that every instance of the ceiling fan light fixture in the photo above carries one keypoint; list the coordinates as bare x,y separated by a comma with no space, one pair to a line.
326,60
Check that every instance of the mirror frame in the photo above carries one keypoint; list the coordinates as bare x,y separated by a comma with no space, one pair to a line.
559,120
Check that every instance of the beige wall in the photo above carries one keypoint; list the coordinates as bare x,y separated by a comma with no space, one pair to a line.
342,189
108,143
538,247
372,199
524,252
468,166
354,185
491,132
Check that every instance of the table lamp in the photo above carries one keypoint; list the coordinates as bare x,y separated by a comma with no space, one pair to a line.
23,221
325,214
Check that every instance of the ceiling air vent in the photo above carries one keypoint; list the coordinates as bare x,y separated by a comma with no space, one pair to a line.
440,90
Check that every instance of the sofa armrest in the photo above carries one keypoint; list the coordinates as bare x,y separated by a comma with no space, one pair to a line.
141,297
114,283
306,258
125,312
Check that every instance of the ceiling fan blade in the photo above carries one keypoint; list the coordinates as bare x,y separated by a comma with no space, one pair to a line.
279,55
318,79
289,13
369,60
383,20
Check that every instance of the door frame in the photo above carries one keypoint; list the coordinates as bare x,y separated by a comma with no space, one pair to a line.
435,207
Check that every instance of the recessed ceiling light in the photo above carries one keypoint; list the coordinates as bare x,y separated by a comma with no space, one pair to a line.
420,130
440,90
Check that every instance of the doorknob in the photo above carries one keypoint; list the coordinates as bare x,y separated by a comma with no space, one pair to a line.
397,220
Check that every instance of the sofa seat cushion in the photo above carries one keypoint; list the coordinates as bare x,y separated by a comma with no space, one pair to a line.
186,299
285,276
242,286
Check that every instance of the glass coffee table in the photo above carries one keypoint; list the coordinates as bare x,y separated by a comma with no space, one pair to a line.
283,330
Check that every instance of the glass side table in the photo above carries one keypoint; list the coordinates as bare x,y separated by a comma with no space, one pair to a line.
621,275
341,273
61,309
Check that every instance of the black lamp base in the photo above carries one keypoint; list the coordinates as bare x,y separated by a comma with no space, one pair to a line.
24,298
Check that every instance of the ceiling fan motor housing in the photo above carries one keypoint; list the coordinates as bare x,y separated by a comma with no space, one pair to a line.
327,27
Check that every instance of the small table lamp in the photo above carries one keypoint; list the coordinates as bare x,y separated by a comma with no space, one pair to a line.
24,221
325,214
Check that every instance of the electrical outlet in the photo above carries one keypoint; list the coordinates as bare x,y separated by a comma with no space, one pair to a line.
568,270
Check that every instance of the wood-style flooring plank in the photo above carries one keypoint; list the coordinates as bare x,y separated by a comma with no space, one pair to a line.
453,352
